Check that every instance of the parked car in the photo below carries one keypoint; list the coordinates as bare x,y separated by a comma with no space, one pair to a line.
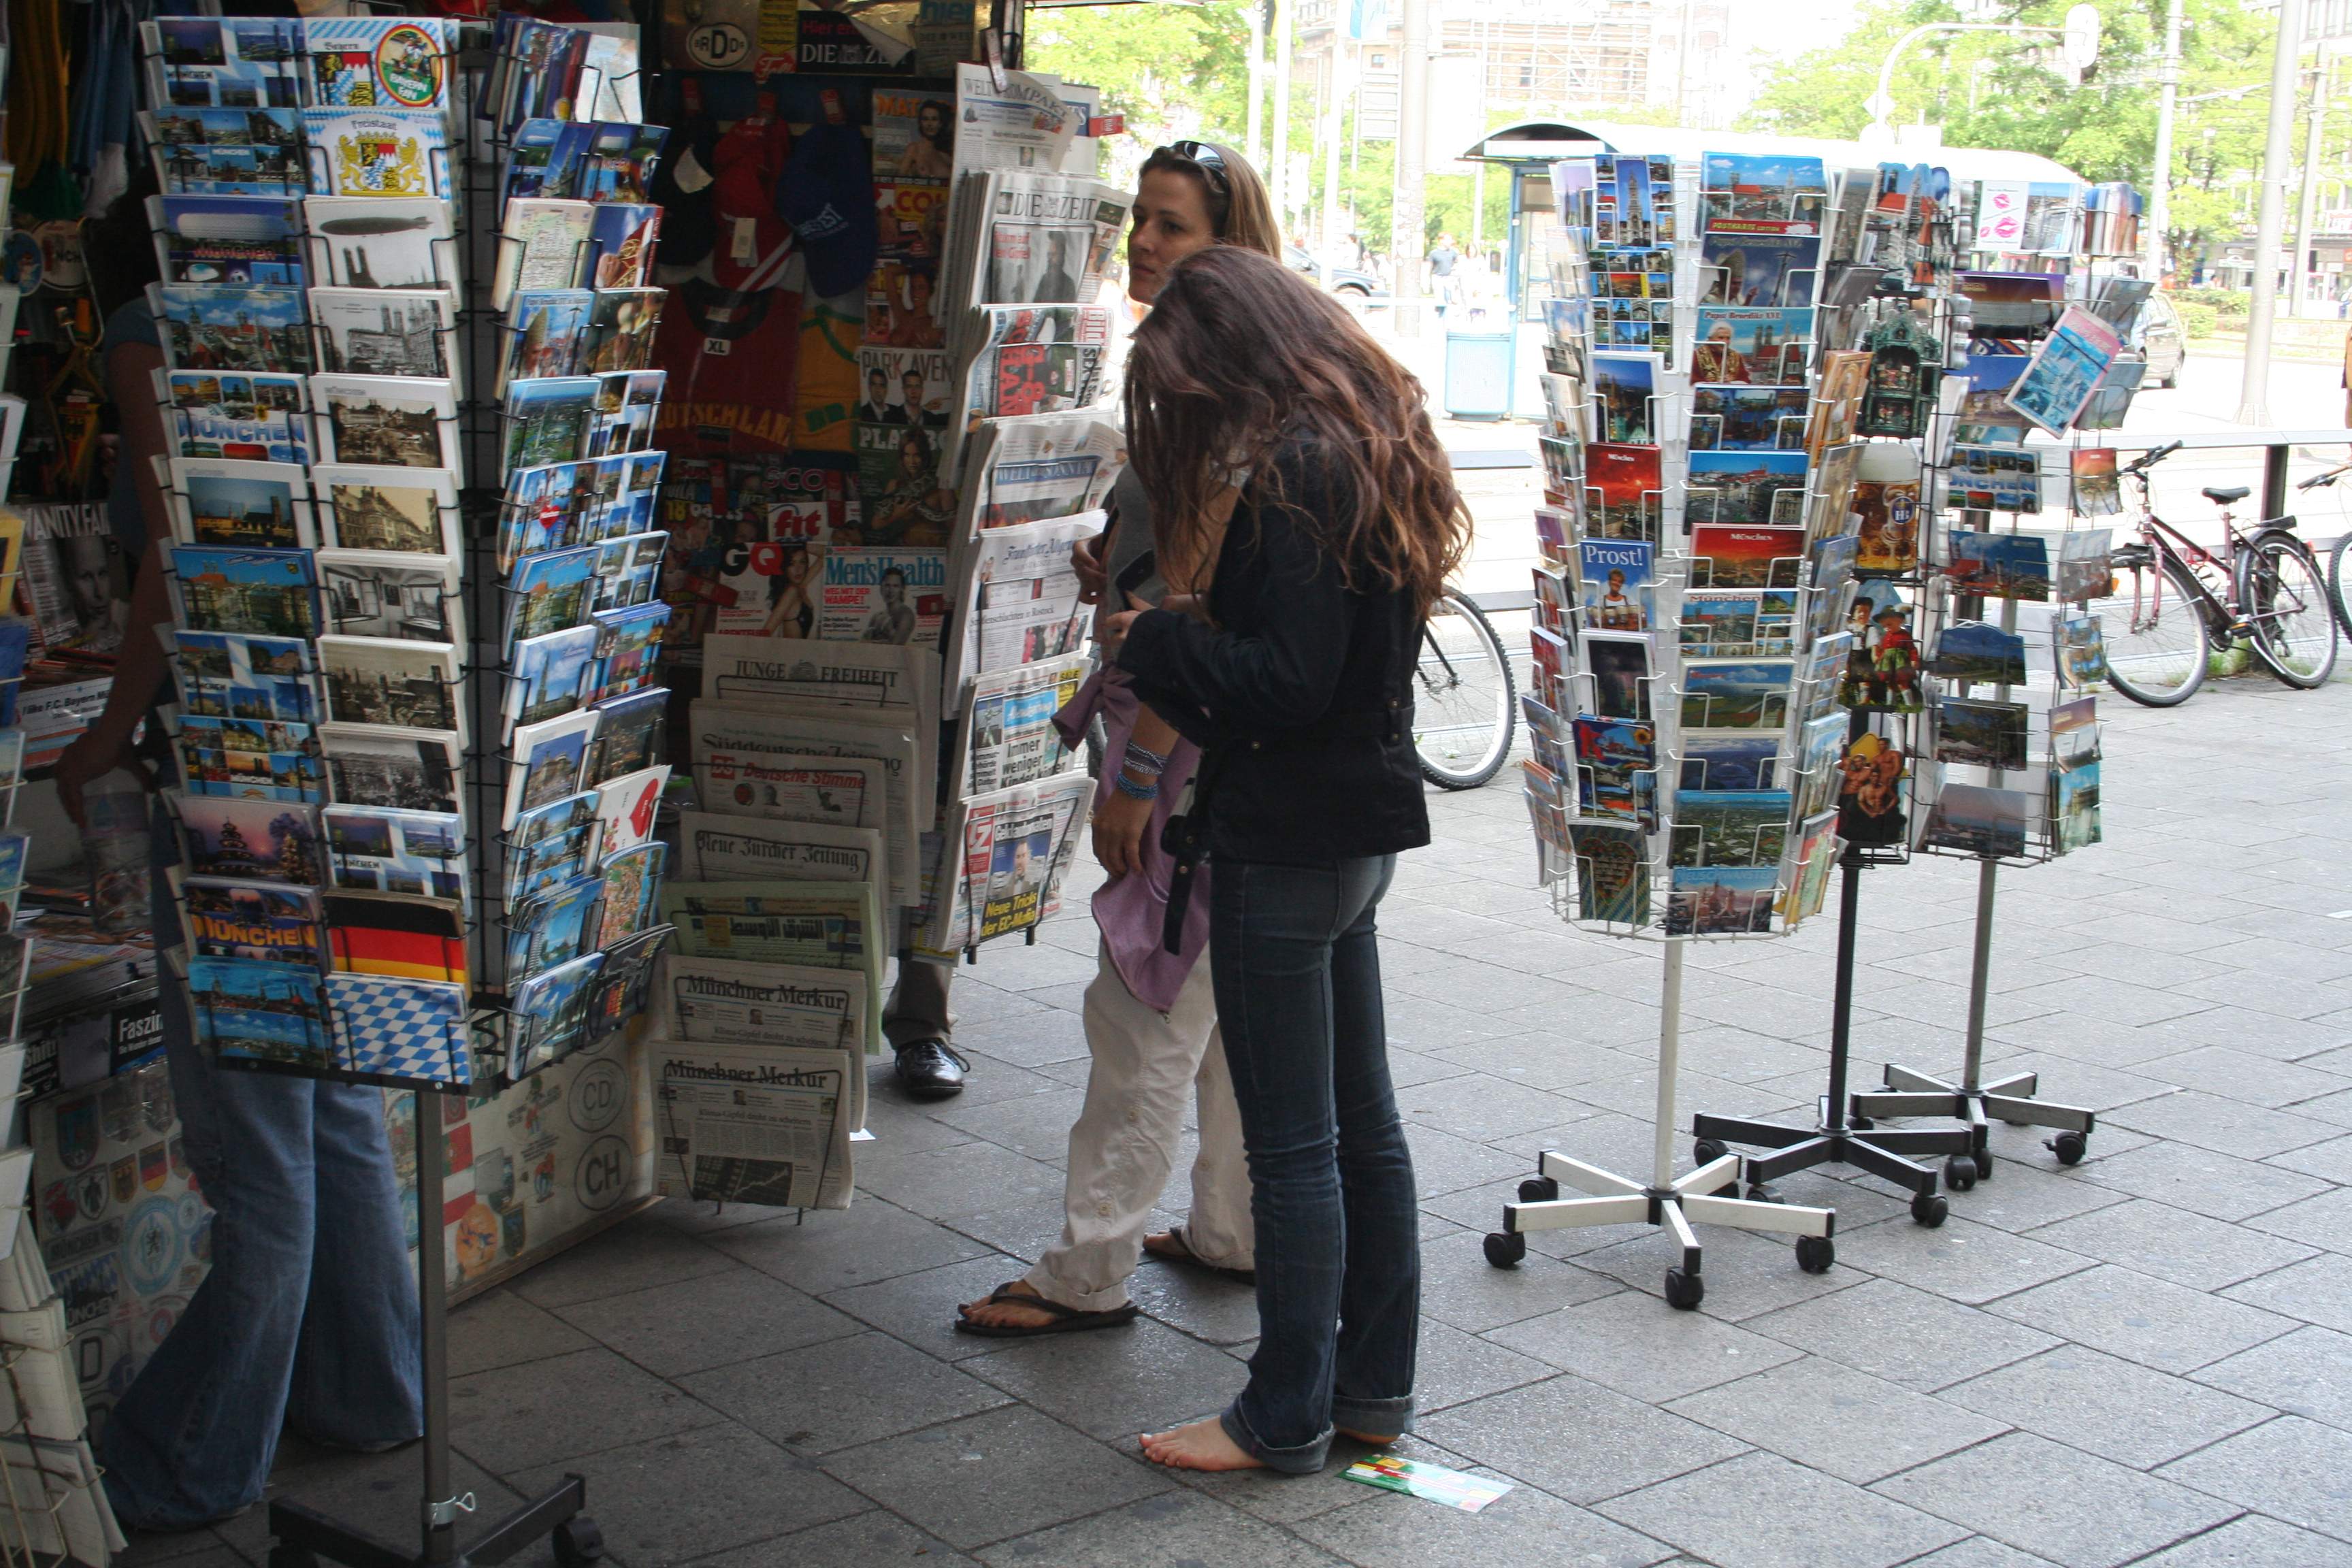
1354,287
2162,339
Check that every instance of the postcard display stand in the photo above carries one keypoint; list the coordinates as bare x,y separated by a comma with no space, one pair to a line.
2016,782
1686,640
364,644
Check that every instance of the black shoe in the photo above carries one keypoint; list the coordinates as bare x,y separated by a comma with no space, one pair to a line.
930,1070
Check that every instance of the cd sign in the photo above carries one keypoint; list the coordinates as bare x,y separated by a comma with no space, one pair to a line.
716,46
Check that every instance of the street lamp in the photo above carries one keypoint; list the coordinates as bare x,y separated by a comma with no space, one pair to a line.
2078,45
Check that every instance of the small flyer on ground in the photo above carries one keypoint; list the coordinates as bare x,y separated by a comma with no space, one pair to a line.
1432,1482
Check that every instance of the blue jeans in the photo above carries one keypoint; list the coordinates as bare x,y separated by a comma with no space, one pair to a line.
308,1317
1297,974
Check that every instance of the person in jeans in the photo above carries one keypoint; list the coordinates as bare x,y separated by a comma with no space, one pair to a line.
1151,1020
1279,443
307,1319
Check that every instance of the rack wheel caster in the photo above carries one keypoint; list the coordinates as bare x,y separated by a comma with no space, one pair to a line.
1960,1173
1930,1209
2070,1148
1983,1157
1815,1254
578,1542
1859,1123
285,1556
1760,1193
1683,1291
1539,1190
1504,1248
1706,1151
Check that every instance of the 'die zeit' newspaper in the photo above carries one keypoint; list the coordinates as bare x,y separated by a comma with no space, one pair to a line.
770,1127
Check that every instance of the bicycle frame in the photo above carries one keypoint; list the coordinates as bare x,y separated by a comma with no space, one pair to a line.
2223,612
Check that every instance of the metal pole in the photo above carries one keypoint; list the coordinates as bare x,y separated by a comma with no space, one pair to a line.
2159,199
433,1329
2307,220
1256,148
1333,123
1980,976
2254,397
1670,1042
1406,239
1842,1005
1282,112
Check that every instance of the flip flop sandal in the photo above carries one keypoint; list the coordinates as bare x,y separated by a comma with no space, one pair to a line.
1181,1253
1065,1319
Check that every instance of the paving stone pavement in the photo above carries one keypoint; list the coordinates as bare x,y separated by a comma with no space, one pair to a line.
2145,1358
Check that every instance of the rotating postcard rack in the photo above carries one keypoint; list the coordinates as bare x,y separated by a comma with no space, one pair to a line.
1685,631
2014,782
354,663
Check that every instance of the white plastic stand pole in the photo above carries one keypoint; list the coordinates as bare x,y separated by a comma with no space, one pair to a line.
1670,1032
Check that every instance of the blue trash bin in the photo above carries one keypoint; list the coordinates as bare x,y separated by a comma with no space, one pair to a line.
1478,375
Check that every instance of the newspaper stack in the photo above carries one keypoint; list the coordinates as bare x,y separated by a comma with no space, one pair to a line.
54,1504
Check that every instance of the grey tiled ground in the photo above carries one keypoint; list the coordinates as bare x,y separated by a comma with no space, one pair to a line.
2146,1358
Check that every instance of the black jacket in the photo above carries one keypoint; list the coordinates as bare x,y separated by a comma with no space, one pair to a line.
1300,695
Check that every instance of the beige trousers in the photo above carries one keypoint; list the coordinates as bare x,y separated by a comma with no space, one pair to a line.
1147,1064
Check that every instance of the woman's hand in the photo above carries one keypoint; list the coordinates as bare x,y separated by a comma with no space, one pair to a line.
1120,823
1085,560
92,756
1113,634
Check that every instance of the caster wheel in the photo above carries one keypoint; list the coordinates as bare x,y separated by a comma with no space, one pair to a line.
1504,1249
1930,1209
1706,1151
292,1557
1983,1157
1539,1190
1760,1193
2070,1148
1815,1254
1859,1123
578,1542
1960,1173
1683,1291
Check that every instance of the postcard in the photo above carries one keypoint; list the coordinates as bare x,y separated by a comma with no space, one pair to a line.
1888,513
261,1012
549,592
1757,270
552,929
1555,601
404,934
223,327
388,850
395,1027
408,685
1729,759
1999,565
1746,488
629,734
1829,508
241,505
1990,823
246,241
410,511
1739,623
1619,664
546,762
376,593
2069,717
380,62
621,330
409,770
1821,762
1996,478
268,922
627,808
1736,694
271,593
2065,369
240,659
369,242
1746,557
2098,491
255,840
377,152
2081,651
627,569
537,869
242,416
238,63
1749,419
385,332
631,879
626,642
1720,901
552,675
2074,807
1623,491
267,169
1981,734
400,421
1432,1483
547,333
2085,565
244,126
549,420
1980,653
553,1013
622,240
542,244
1730,828
1837,400
1612,882
1817,852
1767,347
1872,790
1625,395
1619,592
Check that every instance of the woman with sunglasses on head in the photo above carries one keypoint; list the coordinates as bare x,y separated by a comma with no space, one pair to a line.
1151,1018
1280,443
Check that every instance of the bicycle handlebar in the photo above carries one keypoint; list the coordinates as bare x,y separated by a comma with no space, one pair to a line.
2150,460
2321,481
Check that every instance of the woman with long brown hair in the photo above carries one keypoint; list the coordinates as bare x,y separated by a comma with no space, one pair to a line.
1288,455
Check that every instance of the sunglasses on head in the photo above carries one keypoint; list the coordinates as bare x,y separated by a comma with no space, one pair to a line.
1203,157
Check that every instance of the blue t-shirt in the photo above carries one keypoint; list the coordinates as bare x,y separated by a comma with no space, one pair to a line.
131,323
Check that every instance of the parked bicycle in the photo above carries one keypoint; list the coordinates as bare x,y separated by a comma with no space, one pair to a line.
2173,602
1465,710
2338,587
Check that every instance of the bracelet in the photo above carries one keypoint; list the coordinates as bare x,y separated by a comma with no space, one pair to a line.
1135,791
1147,763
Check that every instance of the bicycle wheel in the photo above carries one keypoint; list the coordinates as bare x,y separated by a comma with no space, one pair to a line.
2337,585
2285,600
2154,628
1465,708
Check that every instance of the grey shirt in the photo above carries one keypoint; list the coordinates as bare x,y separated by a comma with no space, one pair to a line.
1129,539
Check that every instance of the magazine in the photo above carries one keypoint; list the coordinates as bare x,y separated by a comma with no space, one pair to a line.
1006,735
1007,853
894,597
1025,605
765,1124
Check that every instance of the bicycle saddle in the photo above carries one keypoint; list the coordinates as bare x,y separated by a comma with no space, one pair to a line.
2220,495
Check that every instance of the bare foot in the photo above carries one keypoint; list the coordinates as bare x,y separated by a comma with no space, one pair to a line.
1375,1440
1202,1446
1006,1314
1164,1244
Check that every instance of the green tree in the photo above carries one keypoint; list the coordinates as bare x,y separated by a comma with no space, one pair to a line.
1174,71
